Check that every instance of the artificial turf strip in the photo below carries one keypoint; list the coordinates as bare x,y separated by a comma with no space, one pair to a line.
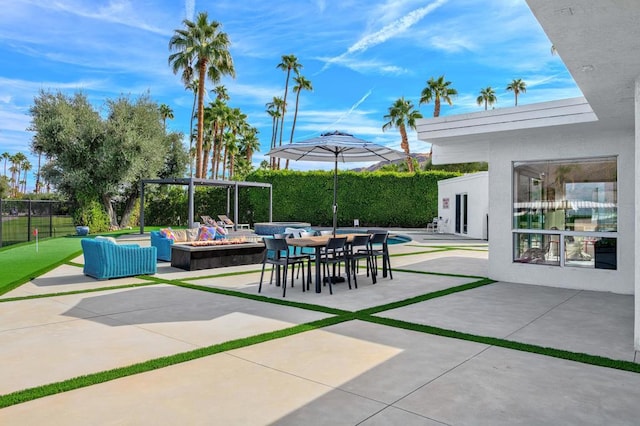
67,293
259,298
154,364
424,297
507,344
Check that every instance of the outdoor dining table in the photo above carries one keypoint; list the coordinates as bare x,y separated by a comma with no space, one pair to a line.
318,242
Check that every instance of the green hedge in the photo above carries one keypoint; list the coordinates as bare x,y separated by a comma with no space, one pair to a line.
375,198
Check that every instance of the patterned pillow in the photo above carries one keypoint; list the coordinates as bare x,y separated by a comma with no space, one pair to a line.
168,233
207,233
221,231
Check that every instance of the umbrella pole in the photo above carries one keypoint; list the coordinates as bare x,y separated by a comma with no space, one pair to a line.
335,196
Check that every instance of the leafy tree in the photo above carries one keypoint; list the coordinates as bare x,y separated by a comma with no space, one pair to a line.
517,86
4,187
487,97
95,159
201,45
437,90
402,114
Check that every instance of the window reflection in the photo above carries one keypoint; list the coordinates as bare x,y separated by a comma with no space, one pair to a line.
579,200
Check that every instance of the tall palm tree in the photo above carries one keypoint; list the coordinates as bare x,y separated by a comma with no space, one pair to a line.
26,167
487,97
289,63
250,143
193,86
165,112
204,46
5,157
402,114
301,83
437,90
221,92
274,109
517,86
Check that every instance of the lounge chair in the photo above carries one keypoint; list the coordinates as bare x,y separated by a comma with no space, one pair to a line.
228,223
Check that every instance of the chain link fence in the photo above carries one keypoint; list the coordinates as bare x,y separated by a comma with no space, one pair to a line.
22,219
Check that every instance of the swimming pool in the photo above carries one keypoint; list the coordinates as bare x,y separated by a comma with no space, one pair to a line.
393,238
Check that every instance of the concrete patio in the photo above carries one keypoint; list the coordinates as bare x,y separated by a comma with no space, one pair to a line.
351,373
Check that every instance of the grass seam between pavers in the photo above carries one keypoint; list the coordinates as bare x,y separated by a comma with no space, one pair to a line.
36,392
67,293
580,357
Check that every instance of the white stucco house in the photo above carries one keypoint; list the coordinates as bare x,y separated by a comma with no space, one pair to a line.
463,204
564,181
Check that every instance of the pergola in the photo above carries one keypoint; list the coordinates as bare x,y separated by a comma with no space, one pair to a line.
192,182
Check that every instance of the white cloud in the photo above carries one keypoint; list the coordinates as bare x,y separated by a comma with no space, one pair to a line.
388,31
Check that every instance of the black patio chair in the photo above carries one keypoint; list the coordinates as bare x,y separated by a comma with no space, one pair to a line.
334,253
359,248
277,254
379,247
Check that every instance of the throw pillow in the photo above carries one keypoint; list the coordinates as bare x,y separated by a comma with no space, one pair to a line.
221,230
192,234
106,239
179,235
167,233
207,233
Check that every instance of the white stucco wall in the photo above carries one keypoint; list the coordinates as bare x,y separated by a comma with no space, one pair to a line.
565,142
476,186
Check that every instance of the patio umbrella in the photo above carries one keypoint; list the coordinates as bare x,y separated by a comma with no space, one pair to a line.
335,146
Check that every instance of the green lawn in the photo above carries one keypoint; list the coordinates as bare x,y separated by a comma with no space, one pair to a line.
22,262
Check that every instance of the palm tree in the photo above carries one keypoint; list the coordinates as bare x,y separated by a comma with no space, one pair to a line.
221,92
203,45
5,157
17,160
25,166
289,62
274,109
301,84
517,86
250,143
487,97
438,91
402,114
165,112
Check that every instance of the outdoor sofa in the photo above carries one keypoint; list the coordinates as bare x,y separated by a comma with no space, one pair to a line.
104,259
163,239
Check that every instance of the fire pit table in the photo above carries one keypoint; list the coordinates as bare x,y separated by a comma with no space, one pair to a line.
215,254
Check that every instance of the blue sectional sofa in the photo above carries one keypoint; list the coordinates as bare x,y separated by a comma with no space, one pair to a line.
104,259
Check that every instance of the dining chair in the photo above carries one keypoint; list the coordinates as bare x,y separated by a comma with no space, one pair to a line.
277,254
379,247
333,253
359,248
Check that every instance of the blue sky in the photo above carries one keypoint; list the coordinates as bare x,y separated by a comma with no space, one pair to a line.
360,55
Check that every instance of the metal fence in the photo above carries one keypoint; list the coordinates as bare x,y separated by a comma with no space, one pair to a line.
22,219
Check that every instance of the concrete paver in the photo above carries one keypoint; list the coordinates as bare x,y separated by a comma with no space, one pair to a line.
350,373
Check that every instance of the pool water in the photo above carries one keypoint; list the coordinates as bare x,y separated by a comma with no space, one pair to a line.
393,238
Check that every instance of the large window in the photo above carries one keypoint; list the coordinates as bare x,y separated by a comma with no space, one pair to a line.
565,213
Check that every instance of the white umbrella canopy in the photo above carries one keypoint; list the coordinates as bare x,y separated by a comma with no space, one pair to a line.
336,147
